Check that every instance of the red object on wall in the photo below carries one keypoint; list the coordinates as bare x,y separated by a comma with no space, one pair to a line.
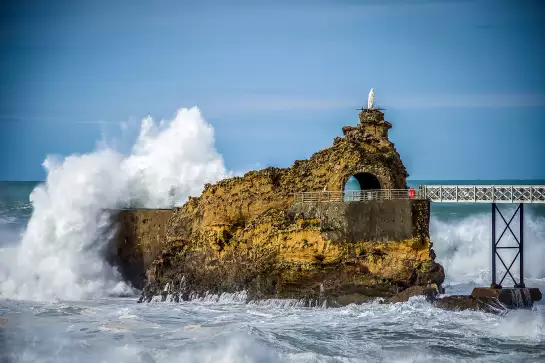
411,193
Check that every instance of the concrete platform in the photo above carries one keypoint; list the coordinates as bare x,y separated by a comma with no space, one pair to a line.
511,297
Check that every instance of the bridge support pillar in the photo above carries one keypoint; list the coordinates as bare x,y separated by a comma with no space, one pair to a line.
496,248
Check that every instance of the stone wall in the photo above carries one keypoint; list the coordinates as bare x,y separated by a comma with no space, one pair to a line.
375,220
141,234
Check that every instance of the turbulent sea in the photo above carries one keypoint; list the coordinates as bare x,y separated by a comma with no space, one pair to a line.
110,328
61,302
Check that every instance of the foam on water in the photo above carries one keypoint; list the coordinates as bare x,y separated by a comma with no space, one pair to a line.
415,331
463,247
61,252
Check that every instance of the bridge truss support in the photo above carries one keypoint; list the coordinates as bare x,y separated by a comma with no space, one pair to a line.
496,249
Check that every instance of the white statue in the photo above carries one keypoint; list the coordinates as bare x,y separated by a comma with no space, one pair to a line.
371,99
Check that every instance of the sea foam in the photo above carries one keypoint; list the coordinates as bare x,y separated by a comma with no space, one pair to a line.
464,248
61,252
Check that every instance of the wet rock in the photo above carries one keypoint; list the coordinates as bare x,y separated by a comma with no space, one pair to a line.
343,300
512,297
431,272
430,292
464,302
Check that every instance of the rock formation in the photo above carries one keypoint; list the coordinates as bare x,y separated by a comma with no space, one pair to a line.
246,233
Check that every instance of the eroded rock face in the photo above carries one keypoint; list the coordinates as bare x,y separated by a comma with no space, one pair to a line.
246,233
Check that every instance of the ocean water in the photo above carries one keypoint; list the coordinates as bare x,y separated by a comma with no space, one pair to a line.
110,328
61,302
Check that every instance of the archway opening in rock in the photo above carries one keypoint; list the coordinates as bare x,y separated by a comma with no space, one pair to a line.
359,182
363,181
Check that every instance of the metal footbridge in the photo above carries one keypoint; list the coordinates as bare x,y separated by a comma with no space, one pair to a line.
435,193
483,193
493,194
513,194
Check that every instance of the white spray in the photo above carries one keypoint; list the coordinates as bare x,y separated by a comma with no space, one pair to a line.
464,248
61,254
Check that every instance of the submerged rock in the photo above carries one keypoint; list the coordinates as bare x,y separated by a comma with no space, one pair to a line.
465,302
453,302
430,292
511,297
489,300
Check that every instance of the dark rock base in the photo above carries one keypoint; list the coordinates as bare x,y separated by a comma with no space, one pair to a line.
430,292
489,300
512,298
464,302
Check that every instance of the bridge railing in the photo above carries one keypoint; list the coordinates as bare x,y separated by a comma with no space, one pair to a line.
355,196
435,193
484,193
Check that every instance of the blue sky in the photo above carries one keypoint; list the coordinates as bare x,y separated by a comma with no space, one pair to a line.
463,82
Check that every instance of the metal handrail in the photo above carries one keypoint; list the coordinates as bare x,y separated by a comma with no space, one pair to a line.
435,193
355,196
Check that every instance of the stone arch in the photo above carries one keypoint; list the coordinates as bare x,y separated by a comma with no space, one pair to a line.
365,180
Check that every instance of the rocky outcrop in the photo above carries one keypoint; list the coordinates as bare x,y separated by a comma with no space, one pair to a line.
246,233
